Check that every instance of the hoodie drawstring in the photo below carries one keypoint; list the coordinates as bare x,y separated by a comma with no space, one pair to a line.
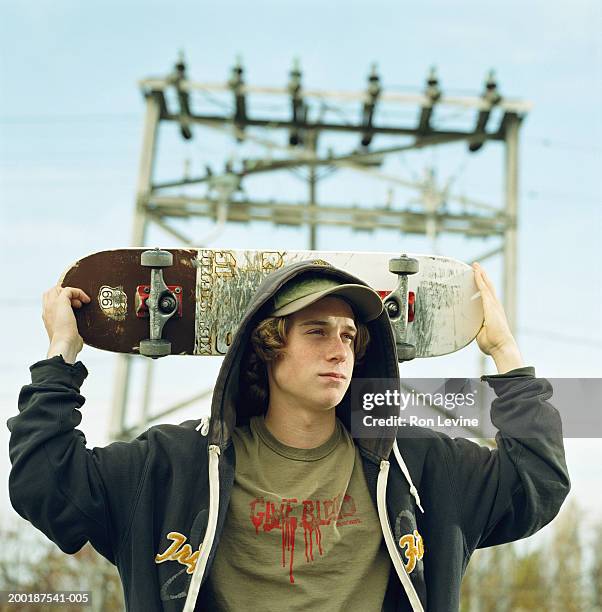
406,473
205,548
381,488
381,491
203,426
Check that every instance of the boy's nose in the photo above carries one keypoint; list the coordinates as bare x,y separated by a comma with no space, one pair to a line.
337,349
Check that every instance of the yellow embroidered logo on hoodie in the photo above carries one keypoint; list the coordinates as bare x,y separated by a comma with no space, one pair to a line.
414,549
178,551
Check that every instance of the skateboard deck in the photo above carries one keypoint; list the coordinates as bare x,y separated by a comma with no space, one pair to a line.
211,288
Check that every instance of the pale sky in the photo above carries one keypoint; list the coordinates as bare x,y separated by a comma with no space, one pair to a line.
71,119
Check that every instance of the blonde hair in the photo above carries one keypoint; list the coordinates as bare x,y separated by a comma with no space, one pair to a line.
267,343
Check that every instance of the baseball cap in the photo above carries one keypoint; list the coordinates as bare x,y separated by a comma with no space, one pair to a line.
301,292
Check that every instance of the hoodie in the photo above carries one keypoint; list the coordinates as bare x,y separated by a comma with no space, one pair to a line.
156,506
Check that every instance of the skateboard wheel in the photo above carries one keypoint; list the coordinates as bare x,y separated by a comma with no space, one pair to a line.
167,303
405,351
156,258
155,348
392,308
403,265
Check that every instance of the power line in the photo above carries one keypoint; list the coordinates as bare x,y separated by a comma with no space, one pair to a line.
555,144
547,195
58,119
556,337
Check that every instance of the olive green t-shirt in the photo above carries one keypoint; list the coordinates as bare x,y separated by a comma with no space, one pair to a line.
302,531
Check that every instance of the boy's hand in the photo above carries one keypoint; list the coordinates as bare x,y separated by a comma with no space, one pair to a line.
60,323
495,337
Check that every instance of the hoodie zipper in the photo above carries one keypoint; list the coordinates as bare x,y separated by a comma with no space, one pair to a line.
381,489
205,548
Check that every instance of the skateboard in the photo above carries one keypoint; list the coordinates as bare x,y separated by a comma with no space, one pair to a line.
190,301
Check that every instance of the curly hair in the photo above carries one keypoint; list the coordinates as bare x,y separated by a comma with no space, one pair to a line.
267,342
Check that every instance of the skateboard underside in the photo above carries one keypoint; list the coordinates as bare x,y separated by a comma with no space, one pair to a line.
215,286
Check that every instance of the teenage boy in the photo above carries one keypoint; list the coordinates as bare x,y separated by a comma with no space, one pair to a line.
272,501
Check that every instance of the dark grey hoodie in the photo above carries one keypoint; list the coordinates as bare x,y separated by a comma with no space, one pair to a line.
156,506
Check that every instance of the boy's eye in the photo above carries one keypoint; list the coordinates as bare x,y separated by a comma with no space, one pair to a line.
349,337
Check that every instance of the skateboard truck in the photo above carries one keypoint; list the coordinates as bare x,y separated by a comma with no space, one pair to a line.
397,305
143,293
162,304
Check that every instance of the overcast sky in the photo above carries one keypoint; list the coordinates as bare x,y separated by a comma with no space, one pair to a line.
71,117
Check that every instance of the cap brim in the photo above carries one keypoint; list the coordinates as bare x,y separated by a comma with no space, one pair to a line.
365,301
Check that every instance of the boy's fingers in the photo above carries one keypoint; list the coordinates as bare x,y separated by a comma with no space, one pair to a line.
76,297
482,276
73,293
480,281
487,280
489,284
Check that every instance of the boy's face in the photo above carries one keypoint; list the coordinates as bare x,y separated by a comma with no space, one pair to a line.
319,344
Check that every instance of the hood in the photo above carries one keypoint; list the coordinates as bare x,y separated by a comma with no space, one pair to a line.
229,408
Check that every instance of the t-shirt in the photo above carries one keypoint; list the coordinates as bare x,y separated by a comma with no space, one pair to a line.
302,530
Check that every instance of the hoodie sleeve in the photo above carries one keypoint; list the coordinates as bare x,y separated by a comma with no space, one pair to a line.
513,491
69,492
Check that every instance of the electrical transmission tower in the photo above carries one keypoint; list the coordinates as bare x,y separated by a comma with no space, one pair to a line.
307,117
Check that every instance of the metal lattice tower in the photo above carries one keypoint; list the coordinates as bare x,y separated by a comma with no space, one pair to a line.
172,100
